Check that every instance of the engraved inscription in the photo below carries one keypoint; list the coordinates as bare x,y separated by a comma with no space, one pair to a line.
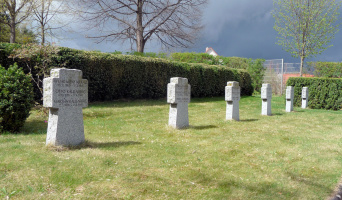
178,91
69,93
305,93
182,93
289,92
266,93
232,94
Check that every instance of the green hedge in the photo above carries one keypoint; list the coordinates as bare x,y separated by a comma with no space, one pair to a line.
327,69
16,98
324,93
254,67
114,76
5,50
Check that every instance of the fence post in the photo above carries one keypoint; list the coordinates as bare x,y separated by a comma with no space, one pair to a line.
282,76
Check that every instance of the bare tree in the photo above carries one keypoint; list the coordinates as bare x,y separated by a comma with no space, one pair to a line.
17,11
46,13
175,23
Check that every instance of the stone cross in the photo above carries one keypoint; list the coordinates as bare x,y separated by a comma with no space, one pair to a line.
65,94
289,98
266,96
305,97
178,96
232,98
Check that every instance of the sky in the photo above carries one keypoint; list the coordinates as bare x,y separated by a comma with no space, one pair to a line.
241,28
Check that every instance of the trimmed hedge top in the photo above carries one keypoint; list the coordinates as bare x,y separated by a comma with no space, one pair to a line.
121,76
113,76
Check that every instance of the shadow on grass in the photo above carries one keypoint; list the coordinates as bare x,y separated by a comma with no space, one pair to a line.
202,127
261,189
93,145
123,103
277,114
248,120
96,114
111,144
224,189
34,127
300,179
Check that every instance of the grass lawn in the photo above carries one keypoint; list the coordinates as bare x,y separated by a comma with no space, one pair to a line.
131,153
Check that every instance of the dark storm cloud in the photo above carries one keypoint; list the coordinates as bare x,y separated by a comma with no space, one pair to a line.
242,28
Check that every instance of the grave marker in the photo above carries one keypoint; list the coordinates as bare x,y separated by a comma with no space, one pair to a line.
266,96
232,98
305,97
289,98
65,94
178,96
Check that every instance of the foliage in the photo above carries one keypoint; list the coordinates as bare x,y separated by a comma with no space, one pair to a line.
123,76
257,71
324,93
37,59
145,54
5,50
254,67
195,58
23,34
305,27
114,76
327,69
15,12
16,97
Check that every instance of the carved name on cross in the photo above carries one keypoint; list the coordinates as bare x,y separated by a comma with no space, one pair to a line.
266,96
289,98
232,98
65,94
178,96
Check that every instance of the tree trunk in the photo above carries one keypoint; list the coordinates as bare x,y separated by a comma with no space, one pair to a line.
140,31
42,23
43,34
301,65
12,26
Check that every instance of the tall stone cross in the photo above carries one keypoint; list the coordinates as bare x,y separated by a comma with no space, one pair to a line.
65,94
305,97
266,96
289,98
178,96
232,98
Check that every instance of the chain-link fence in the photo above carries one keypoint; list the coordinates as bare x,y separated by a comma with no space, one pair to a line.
274,74
277,72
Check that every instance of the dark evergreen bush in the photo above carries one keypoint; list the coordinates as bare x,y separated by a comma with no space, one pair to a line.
16,98
115,76
324,93
123,76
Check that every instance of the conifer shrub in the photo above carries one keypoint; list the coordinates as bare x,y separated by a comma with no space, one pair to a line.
324,93
16,98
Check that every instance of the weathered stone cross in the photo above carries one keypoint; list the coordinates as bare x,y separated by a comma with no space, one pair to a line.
65,94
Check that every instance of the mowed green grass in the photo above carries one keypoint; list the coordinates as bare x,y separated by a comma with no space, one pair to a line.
131,153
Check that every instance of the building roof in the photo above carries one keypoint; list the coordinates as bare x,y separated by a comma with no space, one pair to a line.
211,51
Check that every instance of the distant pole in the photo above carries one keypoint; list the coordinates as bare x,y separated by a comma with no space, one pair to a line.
282,75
